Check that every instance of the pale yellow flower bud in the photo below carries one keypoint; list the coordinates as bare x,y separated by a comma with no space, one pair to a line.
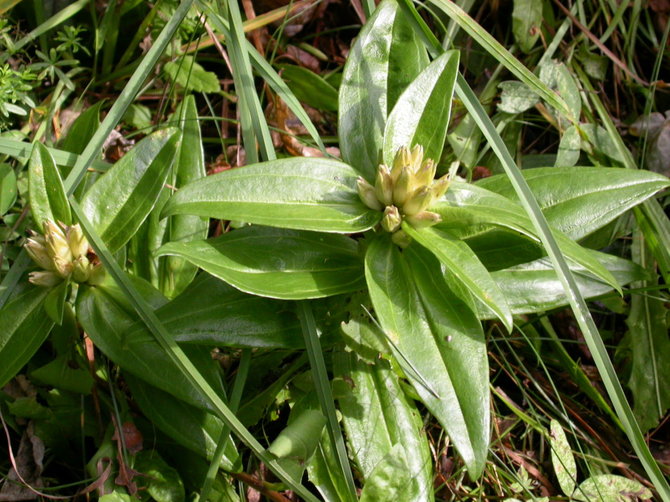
81,269
77,242
400,238
426,173
402,158
418,200
440,186
416,156
44,278
423,219
403,186
392,219
384,186
56,243
367,194
36,249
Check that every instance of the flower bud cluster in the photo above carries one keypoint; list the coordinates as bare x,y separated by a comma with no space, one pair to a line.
405,192
62,254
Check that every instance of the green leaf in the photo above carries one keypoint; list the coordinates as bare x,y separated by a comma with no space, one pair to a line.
535,287
378,416
24,327
54,303
277,263
437,341
598,140
7,188
82,130
478,209
557,77
464,265
516,97
310,87
562,459
122,198
190,166
190,75
108,325
159,480
390,478
299,439
580,200
421,115
189,426
611,488
210,312
60,374
385,58
569,148
300,192
45,188
526,23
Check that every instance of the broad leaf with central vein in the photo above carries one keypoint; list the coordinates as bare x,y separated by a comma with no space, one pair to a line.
300,193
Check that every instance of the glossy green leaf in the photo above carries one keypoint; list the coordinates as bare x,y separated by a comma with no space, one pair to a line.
558,78
384,59
310,88
516,97
189,426
477,209
299,439
82,130
24,327
390,478
421,114
191,76
580,200
122,198
210,312
61,374
278,263
436,340
8,190
378,416
108,325
301,193
463,264
189,166
157,478
610,488
45,188
535,287
54,303
562,459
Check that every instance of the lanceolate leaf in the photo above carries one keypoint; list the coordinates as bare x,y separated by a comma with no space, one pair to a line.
119,201
190,166
45,187
191,427
108,325
580,200
377,416
462,262
390,478
301,193
210,312
437,340
421,115
278,263
385,58
25,326
478,209
534,287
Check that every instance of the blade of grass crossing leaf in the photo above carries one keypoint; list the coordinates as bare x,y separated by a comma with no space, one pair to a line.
579,307
178,356
92,151
324,392
234,403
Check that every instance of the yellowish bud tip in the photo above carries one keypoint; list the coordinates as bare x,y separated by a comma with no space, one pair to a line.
418,200
36,249
440,186
403,186
367,194
400,238
384,186
392,219
424,219
46,279
426,173
77,242
416,156
56,243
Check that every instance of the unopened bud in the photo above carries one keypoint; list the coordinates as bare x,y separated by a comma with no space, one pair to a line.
416,156
77,242
423,219
367,194
392,219
384,186
63,267
402,186
56,243
440,186
81,270
425,174
400,238
96,275
44,278
36,249
419,200
402,158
